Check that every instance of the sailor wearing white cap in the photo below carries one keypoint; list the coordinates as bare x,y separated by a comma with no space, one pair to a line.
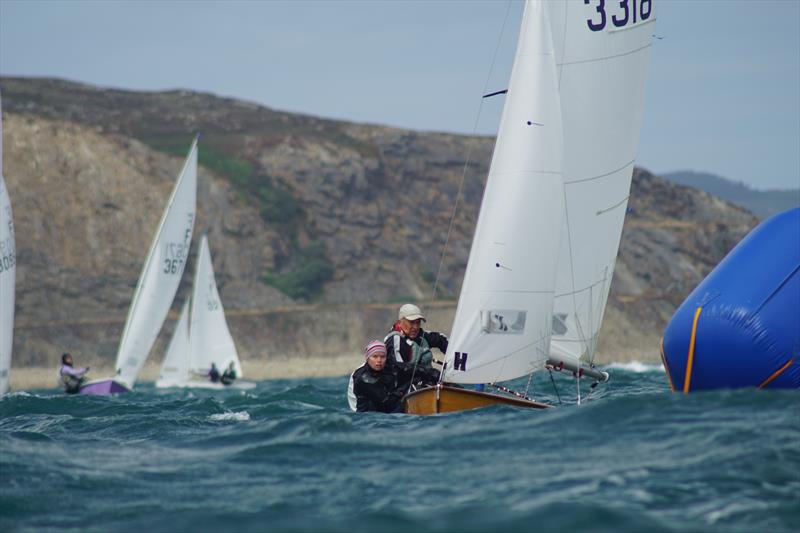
408,342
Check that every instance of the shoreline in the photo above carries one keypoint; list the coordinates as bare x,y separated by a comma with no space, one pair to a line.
308,367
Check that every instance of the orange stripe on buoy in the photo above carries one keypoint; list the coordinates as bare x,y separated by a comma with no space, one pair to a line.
776,374
690,359
666,368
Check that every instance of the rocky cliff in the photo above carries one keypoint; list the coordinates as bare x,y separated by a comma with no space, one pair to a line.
298,210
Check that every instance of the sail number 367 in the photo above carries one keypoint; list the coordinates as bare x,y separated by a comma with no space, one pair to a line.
623,13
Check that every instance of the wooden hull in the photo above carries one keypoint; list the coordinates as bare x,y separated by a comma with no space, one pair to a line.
444,399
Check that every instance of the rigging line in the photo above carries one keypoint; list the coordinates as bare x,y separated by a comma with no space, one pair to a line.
554,386
469,153
581,334
528,386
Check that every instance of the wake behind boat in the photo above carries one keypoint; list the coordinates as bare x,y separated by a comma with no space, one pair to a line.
545,246
202,336
158,282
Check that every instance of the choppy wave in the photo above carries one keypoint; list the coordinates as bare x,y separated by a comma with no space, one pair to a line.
636,366
240,416
290,456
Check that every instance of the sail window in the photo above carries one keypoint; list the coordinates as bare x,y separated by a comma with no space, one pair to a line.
503,321
560,324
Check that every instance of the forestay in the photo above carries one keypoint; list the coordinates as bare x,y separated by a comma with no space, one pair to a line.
8,269
602,52
160,275
210,340
503,321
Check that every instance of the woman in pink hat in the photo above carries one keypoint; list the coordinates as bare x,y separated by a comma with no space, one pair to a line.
374,386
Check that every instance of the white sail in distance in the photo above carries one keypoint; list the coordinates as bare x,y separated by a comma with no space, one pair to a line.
503,321
602,53
160,275
210,340
175,368
8,273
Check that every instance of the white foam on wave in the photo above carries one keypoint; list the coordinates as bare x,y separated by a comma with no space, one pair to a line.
241,416
636,366
16,394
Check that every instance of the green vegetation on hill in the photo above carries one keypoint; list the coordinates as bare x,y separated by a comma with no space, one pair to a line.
308,268
237,170
305,278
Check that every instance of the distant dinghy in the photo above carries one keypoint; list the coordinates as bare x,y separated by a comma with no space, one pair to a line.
202,339
157,285
741,326
8,269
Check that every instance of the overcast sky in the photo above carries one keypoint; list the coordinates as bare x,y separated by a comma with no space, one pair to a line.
723,94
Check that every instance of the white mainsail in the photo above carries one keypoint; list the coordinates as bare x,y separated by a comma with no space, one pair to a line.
202,339
503,321
161,274
210,339
175,369
602,53
8,269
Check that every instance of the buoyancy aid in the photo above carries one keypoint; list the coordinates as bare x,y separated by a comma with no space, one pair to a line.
420,352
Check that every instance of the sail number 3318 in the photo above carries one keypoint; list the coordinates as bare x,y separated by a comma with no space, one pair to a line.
623,13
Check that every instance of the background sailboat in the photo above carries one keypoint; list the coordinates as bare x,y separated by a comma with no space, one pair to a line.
158,283
545,245
8,269
201,336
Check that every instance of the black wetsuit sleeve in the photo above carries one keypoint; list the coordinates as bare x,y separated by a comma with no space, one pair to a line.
436,340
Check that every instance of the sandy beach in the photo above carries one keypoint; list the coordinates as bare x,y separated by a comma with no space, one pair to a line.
256,370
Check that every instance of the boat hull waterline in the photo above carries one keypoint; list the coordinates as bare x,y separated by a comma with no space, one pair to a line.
444,399
238,385
104,387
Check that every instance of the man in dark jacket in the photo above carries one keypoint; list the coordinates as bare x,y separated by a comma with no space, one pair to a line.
378,387
409,343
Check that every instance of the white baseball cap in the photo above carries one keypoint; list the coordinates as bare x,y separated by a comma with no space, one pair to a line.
410,312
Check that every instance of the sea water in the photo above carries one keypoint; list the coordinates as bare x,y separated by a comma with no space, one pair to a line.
290,456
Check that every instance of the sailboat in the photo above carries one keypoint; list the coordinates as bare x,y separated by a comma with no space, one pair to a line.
545,246
202,339
8,269
158,282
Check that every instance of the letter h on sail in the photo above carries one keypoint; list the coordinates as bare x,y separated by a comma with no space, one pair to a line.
460,362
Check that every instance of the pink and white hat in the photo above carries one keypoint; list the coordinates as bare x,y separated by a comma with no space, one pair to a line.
374,347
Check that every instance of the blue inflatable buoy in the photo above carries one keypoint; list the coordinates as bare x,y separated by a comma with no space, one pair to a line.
741,326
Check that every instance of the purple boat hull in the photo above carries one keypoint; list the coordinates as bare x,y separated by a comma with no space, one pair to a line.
104,388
